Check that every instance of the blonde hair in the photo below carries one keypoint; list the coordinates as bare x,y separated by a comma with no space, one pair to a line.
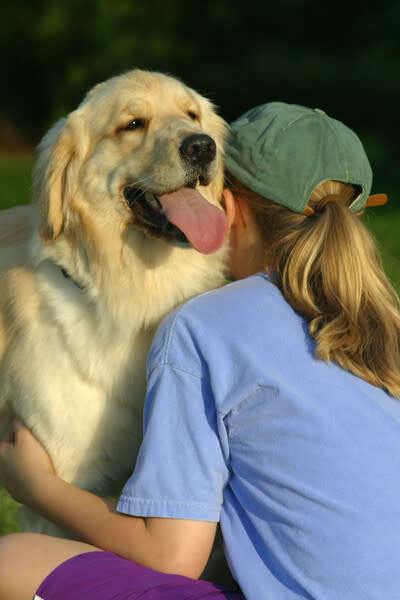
329,270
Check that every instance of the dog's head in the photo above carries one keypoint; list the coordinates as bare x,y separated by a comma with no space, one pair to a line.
142,153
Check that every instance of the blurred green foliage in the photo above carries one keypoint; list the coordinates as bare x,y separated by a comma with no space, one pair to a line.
343,58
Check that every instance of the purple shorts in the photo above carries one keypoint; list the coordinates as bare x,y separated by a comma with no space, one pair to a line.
105,576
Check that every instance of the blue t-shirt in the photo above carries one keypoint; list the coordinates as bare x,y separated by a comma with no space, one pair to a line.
297,458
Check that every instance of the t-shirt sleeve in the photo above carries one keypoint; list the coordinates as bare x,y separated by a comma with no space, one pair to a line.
182,467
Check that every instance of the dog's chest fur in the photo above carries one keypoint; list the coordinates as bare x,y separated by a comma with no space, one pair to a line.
76,377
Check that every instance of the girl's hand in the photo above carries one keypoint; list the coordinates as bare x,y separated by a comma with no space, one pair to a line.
24,463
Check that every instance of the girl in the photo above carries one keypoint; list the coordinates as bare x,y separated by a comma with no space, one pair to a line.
272,406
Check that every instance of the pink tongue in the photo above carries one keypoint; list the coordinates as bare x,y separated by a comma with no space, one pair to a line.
204,225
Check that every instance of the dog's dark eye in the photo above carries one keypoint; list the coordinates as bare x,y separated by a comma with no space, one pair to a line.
192,115
135,124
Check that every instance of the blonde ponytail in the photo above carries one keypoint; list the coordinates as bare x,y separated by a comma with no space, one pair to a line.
329,270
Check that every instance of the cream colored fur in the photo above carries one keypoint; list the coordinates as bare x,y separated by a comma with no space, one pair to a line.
72,359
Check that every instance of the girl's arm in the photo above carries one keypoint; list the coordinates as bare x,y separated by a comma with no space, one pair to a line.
170,545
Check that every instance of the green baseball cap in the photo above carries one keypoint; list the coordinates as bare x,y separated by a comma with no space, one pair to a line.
284,151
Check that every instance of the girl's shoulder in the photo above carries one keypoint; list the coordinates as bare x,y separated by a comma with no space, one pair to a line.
233,297
255,298
252,305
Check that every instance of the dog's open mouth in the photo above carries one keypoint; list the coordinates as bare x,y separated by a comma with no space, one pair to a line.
182,217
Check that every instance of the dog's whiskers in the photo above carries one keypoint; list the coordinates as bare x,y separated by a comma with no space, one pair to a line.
144,182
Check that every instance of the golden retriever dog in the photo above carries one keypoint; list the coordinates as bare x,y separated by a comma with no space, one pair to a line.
125,225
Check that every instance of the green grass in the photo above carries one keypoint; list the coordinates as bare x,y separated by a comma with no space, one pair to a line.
15,180
15,188
8,513
386,226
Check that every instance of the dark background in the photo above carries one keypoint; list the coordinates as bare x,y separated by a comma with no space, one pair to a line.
342,57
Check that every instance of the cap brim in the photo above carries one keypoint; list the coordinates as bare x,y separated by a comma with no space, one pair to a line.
376,200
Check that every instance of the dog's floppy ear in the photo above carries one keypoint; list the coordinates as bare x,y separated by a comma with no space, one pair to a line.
50,177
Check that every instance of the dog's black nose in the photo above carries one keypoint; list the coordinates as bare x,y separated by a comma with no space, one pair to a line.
199,149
